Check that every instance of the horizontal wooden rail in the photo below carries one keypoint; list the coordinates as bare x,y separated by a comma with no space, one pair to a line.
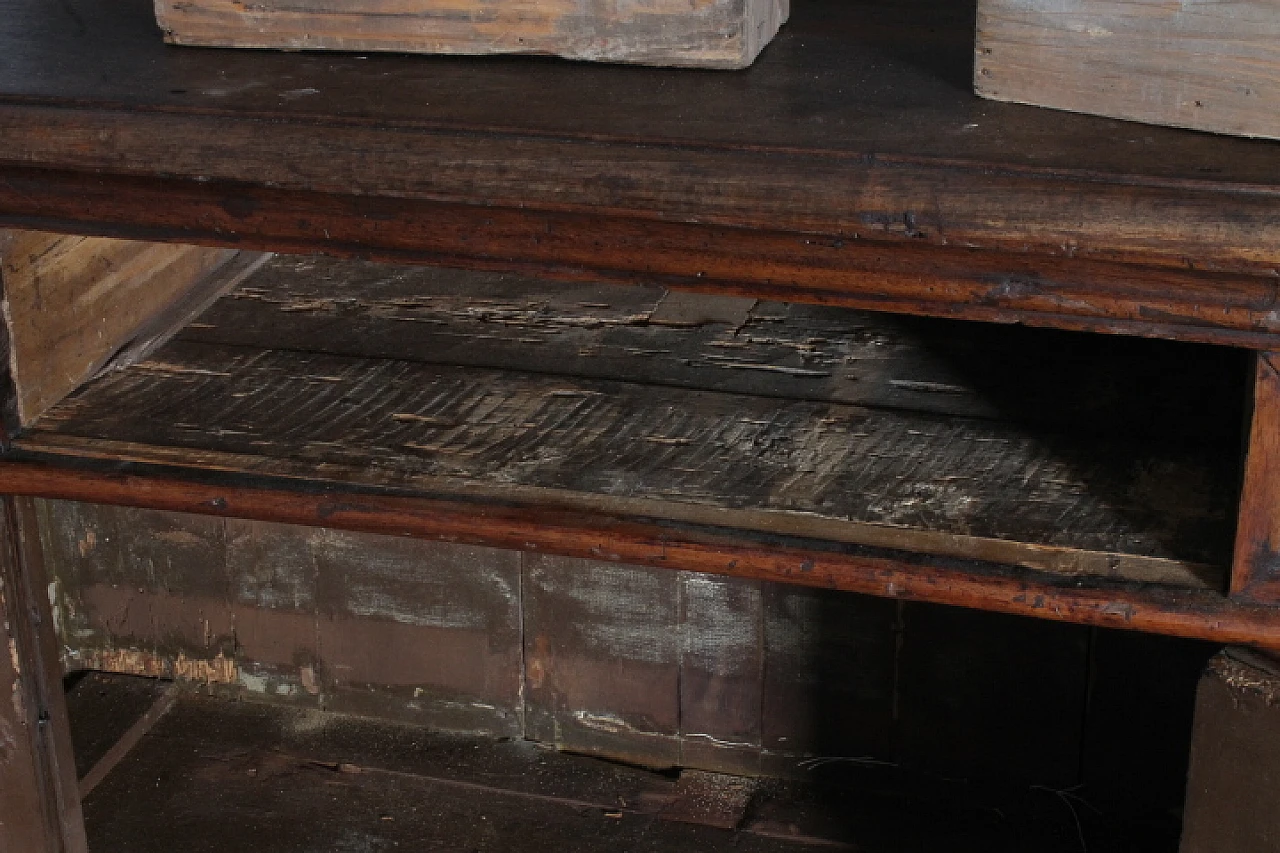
1201,615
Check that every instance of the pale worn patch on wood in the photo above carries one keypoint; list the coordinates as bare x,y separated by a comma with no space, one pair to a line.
700,33
1200,64
70,303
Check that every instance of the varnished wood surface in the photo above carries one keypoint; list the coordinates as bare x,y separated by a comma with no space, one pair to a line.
857,124
262,384
1002,287
1255,572
1185,613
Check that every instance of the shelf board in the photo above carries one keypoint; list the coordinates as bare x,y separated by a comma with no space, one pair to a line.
851,163
264,383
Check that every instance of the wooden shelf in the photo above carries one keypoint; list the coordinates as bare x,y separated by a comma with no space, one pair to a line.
731,425
852,164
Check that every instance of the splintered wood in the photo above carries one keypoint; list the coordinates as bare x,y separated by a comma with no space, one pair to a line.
702,33
1202,64
762,455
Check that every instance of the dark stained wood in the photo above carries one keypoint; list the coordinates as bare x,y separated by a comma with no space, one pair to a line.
424,632
1065,382
1176,302
834,166
1235,748
1255,573
722,667
1203,615
957,487
602,658
39,803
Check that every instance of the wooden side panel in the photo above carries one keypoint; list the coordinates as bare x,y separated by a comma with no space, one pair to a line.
1205,64
1255,573
721,622
71,303
602,658
702,33
39,801
393,627
421,631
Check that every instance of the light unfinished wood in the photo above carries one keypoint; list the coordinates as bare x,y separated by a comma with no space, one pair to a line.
1203,64
71,304
700,33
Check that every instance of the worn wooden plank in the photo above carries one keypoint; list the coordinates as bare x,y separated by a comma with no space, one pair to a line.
1255,572
959,487
1205,65
71,303
39,800
602,658
142,592
1067,382
705,34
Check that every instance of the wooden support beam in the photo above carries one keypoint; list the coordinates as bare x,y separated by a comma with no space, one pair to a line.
1153,608
39,799
1255,573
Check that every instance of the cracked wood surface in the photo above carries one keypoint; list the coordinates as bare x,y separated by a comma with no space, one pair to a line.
734,447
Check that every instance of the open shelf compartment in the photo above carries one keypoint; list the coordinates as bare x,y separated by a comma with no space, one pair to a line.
1054,452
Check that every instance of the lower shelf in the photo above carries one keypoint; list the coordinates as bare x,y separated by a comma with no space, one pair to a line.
216,775
997,467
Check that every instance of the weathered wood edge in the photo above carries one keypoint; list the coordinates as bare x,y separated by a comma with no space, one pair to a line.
1255,571
1194,614
1055,559
39,797
935,201
993,286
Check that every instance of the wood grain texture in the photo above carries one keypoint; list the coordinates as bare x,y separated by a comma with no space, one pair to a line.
957,487
39,799
700,34
71,303
1185,613
1255,570
1062,382
1205,64
1182,302
907,156
423,632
